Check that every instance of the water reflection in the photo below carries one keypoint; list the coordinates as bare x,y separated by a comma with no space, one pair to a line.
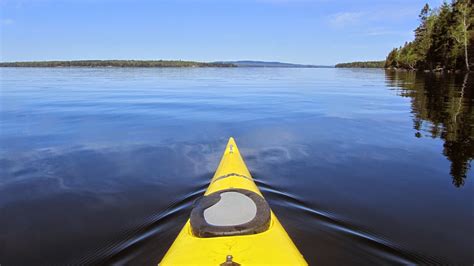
442,107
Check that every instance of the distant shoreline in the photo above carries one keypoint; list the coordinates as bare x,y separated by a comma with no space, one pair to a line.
153,64
362,64
115,63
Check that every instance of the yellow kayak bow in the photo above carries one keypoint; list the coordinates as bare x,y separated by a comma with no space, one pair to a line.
232,223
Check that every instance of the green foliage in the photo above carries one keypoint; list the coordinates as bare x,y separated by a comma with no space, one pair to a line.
366,64
442,40
115,63
392,59
407,57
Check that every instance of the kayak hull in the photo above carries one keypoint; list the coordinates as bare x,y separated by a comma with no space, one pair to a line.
273,246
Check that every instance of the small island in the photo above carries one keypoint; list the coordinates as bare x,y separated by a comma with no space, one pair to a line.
115,63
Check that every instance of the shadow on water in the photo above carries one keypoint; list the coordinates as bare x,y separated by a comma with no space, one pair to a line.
442,107
380,248
148,242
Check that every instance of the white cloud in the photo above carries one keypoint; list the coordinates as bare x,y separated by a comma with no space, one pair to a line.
7,21
291,1
368,17
385,31
343,19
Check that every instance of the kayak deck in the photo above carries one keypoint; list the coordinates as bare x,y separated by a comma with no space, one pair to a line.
239,223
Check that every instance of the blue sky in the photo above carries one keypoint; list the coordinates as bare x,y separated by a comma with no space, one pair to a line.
299,31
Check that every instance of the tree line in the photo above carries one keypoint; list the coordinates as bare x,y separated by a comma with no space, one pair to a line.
444,40
115,63
362,64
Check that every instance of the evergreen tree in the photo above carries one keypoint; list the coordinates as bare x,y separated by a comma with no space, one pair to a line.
443,40
423,35
439,52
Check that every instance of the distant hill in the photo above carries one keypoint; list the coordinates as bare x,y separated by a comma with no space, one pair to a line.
114,63
362,64
249,63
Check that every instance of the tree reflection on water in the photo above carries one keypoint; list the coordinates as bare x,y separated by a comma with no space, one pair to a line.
442,107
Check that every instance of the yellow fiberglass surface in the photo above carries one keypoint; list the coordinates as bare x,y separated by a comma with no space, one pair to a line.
271,247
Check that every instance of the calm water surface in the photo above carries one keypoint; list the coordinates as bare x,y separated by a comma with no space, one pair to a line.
361,166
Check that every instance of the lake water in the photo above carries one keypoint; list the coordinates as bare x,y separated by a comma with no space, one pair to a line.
361,166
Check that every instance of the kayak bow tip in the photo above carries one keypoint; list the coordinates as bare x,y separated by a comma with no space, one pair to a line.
231,146
231,141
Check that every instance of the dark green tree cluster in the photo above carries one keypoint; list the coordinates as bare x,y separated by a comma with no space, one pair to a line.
115,63
362,64
444,40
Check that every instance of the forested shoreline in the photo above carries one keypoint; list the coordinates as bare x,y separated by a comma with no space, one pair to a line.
362,64
115,63
444,40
